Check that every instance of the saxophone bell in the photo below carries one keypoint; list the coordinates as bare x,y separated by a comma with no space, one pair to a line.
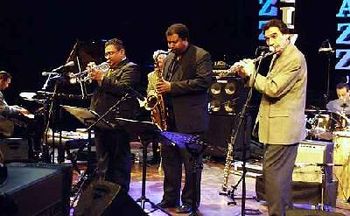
149,102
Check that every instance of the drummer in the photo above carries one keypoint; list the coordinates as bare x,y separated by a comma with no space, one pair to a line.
342,104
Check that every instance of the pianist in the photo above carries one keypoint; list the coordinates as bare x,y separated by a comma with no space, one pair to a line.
6,111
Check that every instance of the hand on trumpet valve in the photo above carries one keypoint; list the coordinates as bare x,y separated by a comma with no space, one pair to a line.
94,72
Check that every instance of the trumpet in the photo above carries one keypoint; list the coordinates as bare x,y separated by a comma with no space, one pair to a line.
83,76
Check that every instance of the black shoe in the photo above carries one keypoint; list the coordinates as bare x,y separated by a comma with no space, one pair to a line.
165,204
185,208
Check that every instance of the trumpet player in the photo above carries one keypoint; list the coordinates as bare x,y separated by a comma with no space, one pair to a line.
281,113
112,144
187,77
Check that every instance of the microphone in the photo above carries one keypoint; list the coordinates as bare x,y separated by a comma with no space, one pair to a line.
329,49
55,71
262,50
326,47
68,64
48,73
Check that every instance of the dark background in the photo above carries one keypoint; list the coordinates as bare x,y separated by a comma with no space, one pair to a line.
37,36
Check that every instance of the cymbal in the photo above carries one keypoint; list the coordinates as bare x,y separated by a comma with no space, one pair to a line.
315,110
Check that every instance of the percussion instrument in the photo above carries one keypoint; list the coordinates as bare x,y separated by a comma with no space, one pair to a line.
321,124
341,142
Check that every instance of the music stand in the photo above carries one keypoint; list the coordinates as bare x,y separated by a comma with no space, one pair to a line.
88,118
195,146
147,132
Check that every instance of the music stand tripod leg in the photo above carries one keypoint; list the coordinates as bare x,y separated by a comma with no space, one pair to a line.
89,172
143,199
196,166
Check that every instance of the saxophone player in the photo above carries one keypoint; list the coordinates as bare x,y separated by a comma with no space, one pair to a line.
153,77
187,77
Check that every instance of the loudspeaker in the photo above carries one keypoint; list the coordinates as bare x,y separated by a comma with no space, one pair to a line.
219,134
36,189
304,192
226,96
106,198
14,149
304,212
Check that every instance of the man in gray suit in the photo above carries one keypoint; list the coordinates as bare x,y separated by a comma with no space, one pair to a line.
187,77
281,113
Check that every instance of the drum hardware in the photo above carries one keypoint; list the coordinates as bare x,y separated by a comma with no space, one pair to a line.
322,124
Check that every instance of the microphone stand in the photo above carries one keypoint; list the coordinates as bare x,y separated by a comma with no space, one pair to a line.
102,117
234,134
50,119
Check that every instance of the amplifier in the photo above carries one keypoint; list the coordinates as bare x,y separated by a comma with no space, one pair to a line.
312,157
14,149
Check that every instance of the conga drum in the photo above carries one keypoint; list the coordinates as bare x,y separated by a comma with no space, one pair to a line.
341,142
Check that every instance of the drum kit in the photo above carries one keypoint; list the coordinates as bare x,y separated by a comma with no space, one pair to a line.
335,127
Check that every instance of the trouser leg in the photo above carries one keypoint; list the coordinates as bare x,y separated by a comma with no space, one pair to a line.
278,168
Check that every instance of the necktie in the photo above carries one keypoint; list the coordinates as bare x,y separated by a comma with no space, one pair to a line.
172,68
109,72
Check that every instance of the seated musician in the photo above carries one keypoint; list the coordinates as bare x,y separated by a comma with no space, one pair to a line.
6,111
342,104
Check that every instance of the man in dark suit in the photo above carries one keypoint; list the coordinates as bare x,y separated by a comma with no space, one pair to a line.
187,77
112,145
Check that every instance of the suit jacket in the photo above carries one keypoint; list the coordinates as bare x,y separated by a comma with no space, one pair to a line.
6,111
152,81
339,106
113,88
282,109
189,85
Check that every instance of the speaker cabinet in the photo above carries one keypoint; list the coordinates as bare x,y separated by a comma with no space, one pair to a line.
312,158
36,189
14,149
219,135
106,198
226,96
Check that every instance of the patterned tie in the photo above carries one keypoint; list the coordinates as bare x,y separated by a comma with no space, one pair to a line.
109,73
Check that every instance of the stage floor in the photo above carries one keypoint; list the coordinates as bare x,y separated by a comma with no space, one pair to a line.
211,202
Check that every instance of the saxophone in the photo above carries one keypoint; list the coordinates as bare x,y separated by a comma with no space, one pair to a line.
155,103
159,112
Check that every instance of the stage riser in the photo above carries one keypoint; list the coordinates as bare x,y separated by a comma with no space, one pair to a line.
304,192
302,212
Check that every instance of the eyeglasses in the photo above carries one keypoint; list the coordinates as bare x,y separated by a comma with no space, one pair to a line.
110,53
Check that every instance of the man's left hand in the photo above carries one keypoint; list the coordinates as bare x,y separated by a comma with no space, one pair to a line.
163,87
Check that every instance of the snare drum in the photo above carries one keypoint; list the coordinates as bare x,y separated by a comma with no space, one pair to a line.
330,122
341,142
